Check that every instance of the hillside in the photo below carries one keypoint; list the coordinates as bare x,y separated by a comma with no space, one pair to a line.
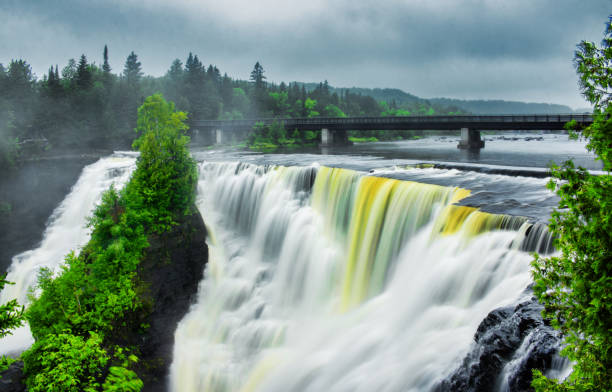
502,107
479,106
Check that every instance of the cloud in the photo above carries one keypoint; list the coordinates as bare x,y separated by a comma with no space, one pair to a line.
469,48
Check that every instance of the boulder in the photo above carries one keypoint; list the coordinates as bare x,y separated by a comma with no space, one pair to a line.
508,344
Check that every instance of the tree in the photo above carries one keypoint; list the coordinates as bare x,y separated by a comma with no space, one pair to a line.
576,287
83,74
106,66
175,73
69,73
257,76
166,175
309,108
279,103
132,71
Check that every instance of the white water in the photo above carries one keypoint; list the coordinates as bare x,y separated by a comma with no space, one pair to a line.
287,303
66,230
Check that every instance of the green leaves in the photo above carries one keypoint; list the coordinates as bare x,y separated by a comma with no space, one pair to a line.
165,179
576,287
65,362
95,295
11,313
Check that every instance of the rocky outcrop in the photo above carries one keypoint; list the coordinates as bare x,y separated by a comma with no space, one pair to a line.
168,277
508,344
12,378
170,272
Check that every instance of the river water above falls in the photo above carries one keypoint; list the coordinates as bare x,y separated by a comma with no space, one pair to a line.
346,269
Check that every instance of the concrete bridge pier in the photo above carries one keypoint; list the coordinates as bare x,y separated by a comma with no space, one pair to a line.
220,136
327,137
470,139
201,137
331,137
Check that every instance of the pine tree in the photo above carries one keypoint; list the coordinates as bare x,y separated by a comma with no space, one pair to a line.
83,74
175,73
132,71
106,67
257,76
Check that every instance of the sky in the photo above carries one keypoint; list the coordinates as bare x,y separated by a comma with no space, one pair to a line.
469,49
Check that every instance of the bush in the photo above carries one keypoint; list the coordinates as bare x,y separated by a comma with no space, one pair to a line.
576,287
65,362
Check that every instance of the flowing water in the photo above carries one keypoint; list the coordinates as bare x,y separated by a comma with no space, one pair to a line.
352,270
66,230
329,279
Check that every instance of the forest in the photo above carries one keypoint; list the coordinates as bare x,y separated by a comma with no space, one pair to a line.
84,106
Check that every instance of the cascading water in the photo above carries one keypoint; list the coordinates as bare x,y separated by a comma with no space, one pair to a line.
325,279
66,230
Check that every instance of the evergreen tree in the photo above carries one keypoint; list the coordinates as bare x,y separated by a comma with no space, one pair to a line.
69,73
226,91
106,67
175,73
195,76
257,76
132,71
83,74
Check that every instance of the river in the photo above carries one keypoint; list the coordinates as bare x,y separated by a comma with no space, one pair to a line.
343,269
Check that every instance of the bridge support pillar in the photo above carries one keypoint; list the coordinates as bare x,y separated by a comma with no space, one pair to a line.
336,137
327,137
470,139
220,136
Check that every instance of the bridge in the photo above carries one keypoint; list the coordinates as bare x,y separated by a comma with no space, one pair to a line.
334,129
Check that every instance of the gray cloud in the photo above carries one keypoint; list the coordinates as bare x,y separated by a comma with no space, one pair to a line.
516,49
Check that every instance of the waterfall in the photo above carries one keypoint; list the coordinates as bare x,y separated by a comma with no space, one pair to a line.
326,279
66,230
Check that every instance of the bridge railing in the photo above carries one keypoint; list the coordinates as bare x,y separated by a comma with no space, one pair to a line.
459,120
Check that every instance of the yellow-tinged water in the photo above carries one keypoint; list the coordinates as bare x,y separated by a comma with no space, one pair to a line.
346,242
470,221
372,217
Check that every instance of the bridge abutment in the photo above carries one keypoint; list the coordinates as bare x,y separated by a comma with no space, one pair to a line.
470,139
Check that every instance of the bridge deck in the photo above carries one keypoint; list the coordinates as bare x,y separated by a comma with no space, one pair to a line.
455,122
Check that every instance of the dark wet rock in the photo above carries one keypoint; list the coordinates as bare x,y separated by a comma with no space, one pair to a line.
508,344
171,271
12,378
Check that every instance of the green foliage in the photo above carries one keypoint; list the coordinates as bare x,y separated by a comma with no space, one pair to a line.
165,179
121,378
279,103
11,313
86,106
355,139
274,136
11,317
98,293
576,287
333,111
65,362
309,107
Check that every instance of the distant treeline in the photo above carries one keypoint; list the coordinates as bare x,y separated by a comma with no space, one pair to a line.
83,105
503,107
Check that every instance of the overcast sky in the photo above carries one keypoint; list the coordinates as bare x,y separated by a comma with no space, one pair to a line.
490,49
